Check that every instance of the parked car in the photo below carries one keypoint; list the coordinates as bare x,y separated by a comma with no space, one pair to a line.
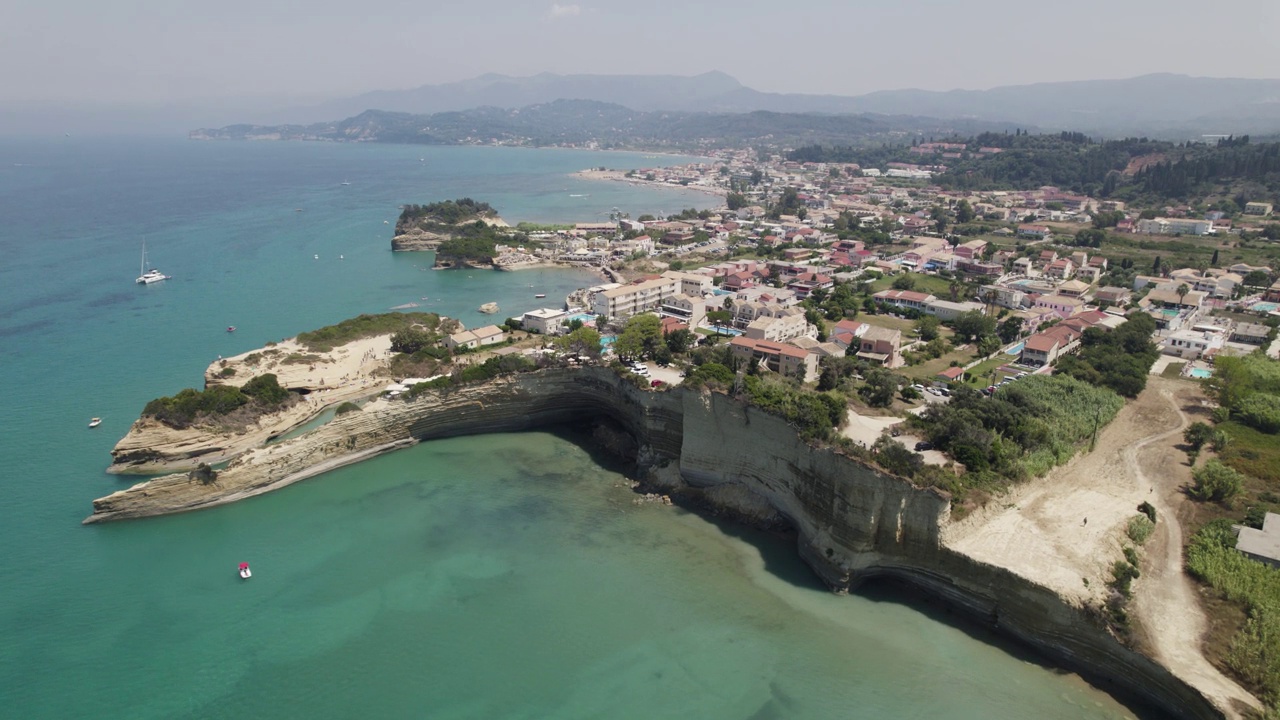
656,383
924,445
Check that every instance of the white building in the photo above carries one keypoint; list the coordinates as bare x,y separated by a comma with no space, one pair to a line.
487,335
1175,226
547,321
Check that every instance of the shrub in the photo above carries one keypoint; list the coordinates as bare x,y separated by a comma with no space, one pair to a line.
710,372
183,409
1123,573
1215,481
1149,510
265,389
1140,528
1260,411
347,407
1197,434
411,340
226,372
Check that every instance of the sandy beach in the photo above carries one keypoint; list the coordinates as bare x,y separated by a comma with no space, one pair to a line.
621,176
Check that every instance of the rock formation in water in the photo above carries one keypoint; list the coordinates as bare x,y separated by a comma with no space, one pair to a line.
852,521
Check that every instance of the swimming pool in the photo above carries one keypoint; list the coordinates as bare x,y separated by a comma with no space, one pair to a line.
1016,349
1200,373
1264,307
1169,312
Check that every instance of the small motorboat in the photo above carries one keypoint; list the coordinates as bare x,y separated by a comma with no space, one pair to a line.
245,572
231,328
95,422
540,295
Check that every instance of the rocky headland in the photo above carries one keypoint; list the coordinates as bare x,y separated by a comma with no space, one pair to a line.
852,521
425,227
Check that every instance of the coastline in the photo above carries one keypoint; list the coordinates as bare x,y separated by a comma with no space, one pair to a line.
887,526
621,176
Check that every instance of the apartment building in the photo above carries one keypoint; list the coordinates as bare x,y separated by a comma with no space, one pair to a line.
626,300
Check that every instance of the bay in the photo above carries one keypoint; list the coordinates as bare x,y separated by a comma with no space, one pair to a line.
499,576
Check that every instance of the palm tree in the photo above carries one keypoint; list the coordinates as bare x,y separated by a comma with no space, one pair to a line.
1182,292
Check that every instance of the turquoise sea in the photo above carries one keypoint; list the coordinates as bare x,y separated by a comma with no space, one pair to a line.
506,576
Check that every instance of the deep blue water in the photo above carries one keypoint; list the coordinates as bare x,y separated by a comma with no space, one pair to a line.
506,576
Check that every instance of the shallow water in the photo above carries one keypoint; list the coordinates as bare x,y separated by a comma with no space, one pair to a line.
501,576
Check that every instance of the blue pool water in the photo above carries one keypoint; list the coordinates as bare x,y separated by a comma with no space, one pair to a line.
1264,307
1016,349
1201,373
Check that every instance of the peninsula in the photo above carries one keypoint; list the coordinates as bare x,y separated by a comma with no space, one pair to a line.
853,520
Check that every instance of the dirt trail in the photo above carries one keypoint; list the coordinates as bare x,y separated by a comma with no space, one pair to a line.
1065,530
1165,601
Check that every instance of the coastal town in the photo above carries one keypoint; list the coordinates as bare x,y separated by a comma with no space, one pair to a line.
1034,265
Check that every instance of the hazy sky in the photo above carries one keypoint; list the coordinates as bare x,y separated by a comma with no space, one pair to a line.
69,52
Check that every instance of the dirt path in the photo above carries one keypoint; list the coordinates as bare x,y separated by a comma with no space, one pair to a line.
1065,530
1165,601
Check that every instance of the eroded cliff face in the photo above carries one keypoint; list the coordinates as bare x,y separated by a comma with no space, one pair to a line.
852,521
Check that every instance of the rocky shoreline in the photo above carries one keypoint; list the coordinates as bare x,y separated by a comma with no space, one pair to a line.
852,522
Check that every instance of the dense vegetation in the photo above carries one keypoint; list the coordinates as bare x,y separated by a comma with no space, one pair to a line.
1117,359
1073,161
190,406
475,242
1023,430
363,326
448,212
473,374
1248,390
1255,650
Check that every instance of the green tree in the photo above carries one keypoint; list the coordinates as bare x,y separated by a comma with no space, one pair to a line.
719,318
679,341
640,337
1197,434
1009,329
964,212
927,327
972,325
1216,482
879,388
735,200
411,340
904,282
583,341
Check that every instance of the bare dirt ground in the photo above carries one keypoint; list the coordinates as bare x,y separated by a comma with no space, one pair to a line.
1065,530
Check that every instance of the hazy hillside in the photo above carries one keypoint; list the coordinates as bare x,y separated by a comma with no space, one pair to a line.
579,122
1163,104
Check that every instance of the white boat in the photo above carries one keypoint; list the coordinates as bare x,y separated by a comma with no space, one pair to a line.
149,275
95,422
245,572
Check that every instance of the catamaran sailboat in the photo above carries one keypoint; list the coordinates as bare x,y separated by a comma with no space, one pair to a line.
149,275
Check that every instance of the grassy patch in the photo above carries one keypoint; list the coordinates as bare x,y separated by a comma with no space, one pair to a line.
979,375
1254,652
1253,453
931,284
929,369
363,326
1173,370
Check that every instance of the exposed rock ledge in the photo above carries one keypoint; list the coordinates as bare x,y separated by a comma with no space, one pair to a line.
852,522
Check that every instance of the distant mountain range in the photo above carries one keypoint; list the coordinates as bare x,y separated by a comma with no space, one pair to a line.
1163,104
608,125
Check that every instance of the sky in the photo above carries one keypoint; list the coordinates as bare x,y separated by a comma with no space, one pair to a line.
241,54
